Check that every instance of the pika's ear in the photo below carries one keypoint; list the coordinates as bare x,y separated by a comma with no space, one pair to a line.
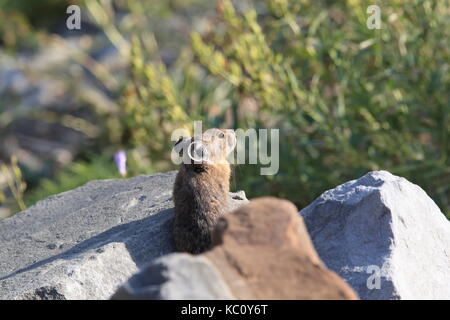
178,141
178,147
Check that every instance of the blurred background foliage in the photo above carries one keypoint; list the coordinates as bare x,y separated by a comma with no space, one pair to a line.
347,100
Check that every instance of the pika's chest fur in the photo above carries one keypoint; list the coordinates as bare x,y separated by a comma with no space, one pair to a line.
202,194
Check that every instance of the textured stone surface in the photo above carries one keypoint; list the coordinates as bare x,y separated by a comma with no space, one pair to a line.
383,223
262,251
84,243
175,277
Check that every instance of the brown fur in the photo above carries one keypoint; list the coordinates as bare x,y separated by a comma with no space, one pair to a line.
200,193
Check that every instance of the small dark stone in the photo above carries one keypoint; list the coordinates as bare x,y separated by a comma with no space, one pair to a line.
48,293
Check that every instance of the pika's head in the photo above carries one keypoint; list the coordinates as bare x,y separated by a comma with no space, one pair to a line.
212,147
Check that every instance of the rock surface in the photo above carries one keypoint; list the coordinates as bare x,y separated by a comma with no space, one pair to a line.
84,243
262,251
385,236
381,233
177,276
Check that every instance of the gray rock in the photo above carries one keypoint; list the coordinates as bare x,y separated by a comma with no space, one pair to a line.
84,243
178,276
385,236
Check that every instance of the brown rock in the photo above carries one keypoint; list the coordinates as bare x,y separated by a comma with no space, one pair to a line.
263,251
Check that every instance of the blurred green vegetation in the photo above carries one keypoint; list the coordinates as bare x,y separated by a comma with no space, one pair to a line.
42,13
347,100
16,185
22,22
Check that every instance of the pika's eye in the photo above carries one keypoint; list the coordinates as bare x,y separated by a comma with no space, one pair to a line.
221,135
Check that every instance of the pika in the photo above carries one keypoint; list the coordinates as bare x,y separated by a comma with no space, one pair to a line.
201,188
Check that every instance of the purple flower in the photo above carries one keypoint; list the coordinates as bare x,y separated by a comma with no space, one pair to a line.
121,161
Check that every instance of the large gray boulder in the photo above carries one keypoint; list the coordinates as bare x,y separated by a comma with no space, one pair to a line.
385,236
84,243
